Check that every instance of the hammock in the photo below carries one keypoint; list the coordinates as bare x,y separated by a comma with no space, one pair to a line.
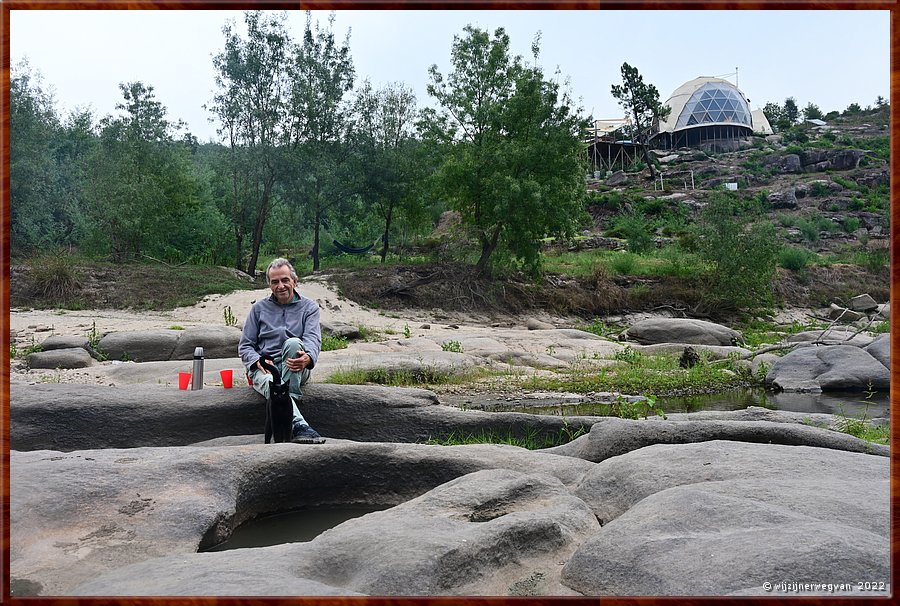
351,250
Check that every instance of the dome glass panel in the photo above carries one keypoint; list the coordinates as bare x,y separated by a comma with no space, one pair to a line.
714,102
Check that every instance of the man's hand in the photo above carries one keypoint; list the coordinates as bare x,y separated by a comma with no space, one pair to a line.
298,363
259,366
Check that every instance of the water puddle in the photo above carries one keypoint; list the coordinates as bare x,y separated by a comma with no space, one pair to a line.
296,526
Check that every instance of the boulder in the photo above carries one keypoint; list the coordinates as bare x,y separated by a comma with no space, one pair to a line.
828,367
836,335
783,199
140,345
130,522
682,330
617,178
718,518
845,159
613,437
880,349
65,342
786,163
842,314
535,324
813,156
884,312
70,357
72,417
863,303
340,329
216,341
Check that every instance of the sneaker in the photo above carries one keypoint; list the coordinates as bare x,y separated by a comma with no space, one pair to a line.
304,434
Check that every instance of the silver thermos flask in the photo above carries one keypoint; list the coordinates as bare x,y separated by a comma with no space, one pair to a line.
197,374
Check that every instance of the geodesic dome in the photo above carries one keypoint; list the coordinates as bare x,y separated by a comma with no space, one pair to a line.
705,109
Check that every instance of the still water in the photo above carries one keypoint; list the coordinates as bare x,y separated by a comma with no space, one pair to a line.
295,526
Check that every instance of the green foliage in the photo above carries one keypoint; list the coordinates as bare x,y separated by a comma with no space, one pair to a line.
629,355
332,342
642,374
530,438
635,228
428,375
861,427
453,346
641,103
599,328
230,320
812,112
851,224
818,189
880,327
795,259
55,278
742,254
512,163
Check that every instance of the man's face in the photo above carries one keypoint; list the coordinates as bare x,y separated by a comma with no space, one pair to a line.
282,284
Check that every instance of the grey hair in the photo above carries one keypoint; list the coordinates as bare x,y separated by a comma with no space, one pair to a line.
282,262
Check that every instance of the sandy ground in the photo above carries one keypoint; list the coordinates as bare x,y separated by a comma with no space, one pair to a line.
29,327
428,329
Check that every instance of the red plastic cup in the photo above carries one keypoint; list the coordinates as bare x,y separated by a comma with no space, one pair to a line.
226,378
184,380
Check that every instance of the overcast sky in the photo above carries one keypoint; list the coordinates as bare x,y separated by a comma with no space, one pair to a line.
832,58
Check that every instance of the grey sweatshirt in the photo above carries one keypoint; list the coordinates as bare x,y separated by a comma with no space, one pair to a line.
269,324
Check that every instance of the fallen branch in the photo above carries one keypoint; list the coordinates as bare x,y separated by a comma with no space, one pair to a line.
163,262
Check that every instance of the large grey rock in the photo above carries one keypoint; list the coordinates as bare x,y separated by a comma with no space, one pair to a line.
140,345
613,437
863,303
682,330
71,417
83,519
216,341
726,517
843,314
838,335
65,342
828,367
72,357
880,349
340,329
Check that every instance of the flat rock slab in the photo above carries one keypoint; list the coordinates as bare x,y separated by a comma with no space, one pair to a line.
613,437
74,417
681,330
722,518
157,345
75,517
828,368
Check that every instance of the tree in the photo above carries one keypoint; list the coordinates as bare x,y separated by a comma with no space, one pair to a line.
513,162
774,113
320,74
45,200
812,112
389,166
742,251
853,109
142,183
791,112
641,103
251,78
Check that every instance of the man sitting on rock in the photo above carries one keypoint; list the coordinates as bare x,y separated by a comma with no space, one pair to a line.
284,330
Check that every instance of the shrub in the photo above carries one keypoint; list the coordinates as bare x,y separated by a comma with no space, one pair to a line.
742,255
635,228
624,264
54,277
454,346
331,343
819,189
794,259
851,224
